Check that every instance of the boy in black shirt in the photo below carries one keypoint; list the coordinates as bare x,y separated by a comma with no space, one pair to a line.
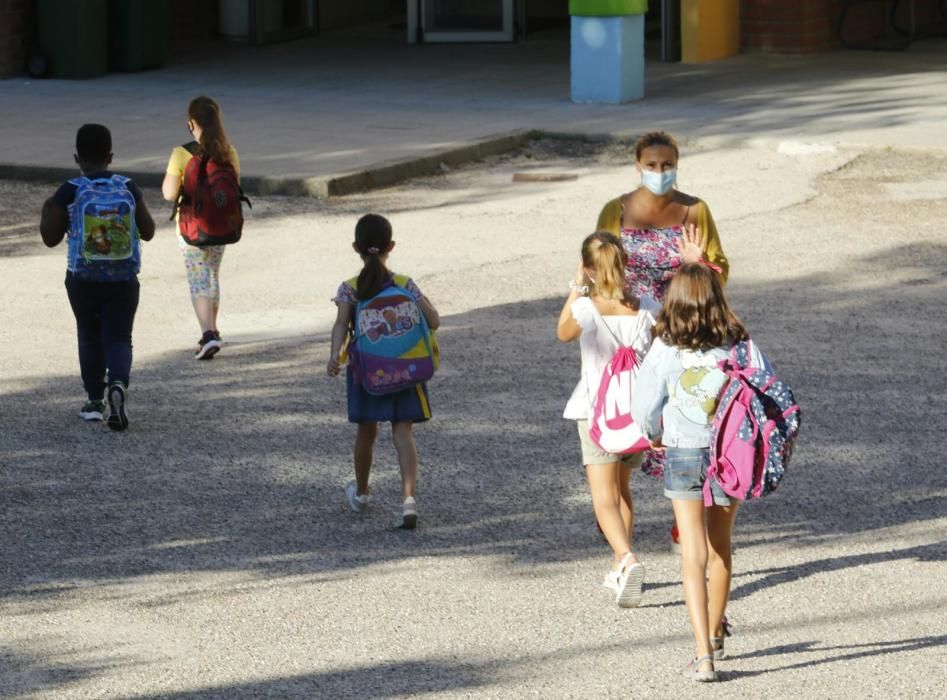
104,216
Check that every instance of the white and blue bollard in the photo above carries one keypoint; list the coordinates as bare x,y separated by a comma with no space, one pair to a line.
607,58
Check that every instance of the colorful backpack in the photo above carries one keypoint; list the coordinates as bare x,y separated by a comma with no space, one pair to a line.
210,202
103,238
754,429
611,426
392,347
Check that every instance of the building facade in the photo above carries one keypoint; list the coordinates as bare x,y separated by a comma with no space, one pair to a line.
800,26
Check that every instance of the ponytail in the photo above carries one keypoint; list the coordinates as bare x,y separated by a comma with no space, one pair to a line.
605,259
372,239
205,112
372,277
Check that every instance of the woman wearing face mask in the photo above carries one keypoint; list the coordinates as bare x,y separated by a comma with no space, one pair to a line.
661,228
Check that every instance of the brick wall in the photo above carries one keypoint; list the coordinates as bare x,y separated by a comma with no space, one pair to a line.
16,31
808,26
803,26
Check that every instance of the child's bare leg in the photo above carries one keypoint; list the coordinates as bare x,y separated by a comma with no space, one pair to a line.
204,310
603,484
690,523
720,564
364,445
403,437
625,504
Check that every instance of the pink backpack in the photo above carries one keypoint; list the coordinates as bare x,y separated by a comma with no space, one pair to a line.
754,429
611,426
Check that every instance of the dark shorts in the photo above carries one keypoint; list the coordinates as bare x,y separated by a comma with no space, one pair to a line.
685,471
408,406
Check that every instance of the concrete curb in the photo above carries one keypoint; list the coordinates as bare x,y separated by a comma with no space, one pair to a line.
389,173
376,176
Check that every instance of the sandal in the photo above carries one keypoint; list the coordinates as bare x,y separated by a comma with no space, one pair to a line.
630,583
693,672
717,642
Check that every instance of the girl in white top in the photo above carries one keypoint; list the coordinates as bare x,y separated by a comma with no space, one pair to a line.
608,311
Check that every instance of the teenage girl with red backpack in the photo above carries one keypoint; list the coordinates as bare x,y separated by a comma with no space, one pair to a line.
675,400
202,262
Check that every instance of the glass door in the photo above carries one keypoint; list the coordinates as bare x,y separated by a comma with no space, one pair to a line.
460,20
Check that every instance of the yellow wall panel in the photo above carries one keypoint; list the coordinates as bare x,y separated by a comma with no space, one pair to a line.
710,29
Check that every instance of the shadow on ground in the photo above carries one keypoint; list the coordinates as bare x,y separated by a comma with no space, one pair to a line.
237,464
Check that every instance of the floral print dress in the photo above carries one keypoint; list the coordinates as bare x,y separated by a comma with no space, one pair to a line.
653,258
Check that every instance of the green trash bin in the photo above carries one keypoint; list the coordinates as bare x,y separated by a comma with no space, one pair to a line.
138,34
73,36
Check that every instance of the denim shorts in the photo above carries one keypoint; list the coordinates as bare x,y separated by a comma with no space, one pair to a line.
685,471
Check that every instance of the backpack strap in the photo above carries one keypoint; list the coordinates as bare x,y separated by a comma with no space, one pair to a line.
194,148
740,354
621,345
609,329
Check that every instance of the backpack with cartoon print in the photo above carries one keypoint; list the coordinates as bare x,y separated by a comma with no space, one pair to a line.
103,238
392,347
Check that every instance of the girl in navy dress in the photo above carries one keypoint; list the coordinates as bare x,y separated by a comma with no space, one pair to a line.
402,409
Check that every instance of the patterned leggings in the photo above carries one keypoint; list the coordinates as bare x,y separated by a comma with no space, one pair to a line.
203,269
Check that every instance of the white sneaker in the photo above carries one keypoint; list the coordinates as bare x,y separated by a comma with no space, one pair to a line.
611,580
630,584
356,502
409,514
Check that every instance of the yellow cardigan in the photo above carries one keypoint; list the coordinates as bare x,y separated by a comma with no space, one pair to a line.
610,220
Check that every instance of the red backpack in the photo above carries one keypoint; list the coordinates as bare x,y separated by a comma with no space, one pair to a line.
210,202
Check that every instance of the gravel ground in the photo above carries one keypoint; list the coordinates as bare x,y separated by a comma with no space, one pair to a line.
208,551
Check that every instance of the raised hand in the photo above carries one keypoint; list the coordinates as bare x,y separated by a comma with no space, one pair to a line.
692,244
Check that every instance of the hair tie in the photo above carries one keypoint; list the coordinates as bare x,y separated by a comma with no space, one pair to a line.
373,251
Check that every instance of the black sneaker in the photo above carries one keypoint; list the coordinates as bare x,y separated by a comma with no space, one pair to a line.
208,347
200,341
92,410
118,419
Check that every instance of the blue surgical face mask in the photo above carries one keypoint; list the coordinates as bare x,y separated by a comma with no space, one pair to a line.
659,183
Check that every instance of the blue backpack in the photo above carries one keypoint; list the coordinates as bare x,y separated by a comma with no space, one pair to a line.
392,348
103,238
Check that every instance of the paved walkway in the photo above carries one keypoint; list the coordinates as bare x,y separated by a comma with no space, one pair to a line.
207,552
350,100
